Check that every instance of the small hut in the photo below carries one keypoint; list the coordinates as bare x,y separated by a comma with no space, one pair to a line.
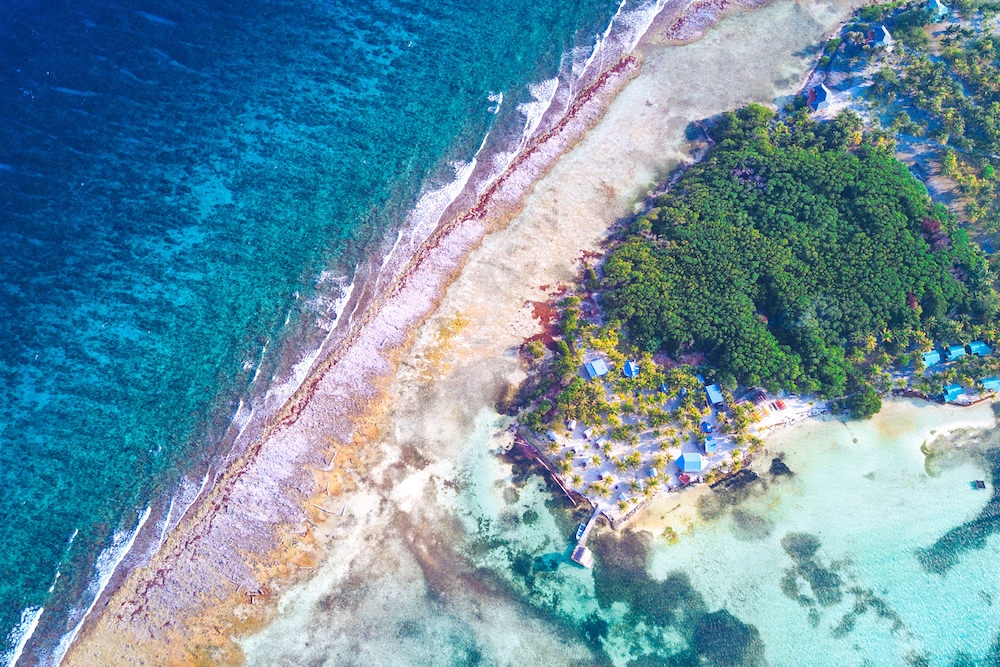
951,392
596,368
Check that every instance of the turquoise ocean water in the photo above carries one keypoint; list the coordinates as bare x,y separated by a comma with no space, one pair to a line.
185,189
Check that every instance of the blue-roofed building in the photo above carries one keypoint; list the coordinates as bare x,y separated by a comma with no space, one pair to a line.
951,392
931,358
978,348
596,368
991,384
631,369
954,352
706,427
689,462
938,9
714,395
882,38
710,445
819,98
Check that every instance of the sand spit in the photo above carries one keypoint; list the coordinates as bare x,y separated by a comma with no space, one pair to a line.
269,518
466,355
261,524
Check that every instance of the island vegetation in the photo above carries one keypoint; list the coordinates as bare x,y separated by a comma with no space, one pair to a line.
798,261
798,256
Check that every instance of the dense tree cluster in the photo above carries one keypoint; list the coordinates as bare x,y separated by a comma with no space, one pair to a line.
791,253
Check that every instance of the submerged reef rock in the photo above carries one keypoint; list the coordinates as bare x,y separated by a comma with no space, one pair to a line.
945,552
621,576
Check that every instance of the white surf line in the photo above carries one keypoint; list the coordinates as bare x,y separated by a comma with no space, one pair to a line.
23,632
105,578
166,524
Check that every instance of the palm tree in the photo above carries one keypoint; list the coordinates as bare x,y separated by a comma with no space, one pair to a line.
577,480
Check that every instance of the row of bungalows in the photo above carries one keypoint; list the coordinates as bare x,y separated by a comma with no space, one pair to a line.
954,352
598,368
952,392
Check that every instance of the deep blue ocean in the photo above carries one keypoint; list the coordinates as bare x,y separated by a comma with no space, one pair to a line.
175,178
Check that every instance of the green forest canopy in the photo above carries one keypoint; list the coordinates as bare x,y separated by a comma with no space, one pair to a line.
791,247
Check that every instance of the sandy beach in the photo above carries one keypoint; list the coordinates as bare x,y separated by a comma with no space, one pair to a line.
916,420
355,474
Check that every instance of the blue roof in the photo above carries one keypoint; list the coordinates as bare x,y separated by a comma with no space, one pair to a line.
882,35
690,462
991,384
951,392
955,351
596,368
819,97
714,394
710,445
706,427
979,348
932,357
631,369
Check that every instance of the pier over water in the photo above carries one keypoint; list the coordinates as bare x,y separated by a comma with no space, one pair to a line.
581,554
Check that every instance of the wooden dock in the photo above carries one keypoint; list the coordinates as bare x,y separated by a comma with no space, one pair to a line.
581,554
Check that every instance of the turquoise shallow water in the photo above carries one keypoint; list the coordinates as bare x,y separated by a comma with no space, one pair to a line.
868,554
187,188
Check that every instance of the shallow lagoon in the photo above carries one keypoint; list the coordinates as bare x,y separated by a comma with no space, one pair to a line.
820,567
451,555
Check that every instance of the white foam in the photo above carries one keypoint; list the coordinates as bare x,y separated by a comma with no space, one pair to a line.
106,565
543,93
278,394
21,633
426,215
498,99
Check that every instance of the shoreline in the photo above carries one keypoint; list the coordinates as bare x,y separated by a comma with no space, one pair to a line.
465,355
679,512
390,311
324,447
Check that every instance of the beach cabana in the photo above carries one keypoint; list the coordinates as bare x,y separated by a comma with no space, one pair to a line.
954,352
714,395
951,392
820,97
552,435
596,368
931,358
706,427
990,384
882,38
710,446
978,348
631,369
689,462
938,9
